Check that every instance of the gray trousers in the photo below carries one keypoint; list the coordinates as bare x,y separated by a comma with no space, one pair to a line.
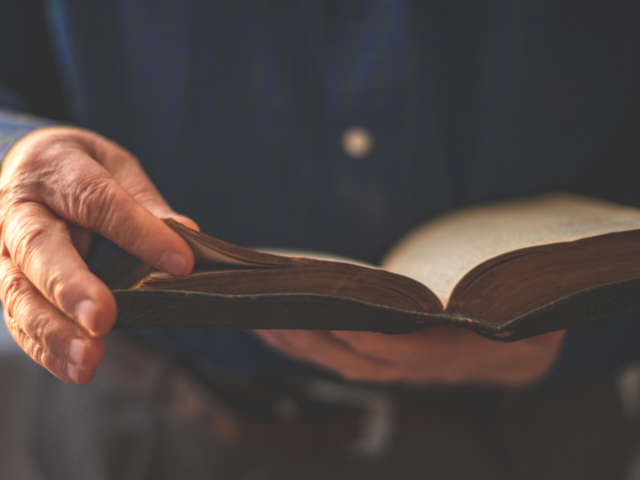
98,432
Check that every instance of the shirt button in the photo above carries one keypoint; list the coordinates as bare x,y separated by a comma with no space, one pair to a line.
357,142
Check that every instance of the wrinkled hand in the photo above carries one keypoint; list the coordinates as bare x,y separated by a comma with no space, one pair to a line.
56,187
434,355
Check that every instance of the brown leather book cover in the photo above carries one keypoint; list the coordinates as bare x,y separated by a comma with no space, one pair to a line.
586,274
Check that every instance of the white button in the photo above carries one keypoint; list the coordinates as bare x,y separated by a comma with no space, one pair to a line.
357,142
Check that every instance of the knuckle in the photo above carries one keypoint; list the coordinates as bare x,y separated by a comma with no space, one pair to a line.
11,196
31,348
35,156
108,152
27,240
39,328
93,200
12,326
21,319
46,149
32,327
144,196
24,222
52,363
54,286
38,160
35,350
15,287
38,353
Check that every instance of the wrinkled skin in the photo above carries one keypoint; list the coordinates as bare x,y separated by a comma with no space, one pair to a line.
56,187
59,184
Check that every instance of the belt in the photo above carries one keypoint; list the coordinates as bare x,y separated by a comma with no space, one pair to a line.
296,416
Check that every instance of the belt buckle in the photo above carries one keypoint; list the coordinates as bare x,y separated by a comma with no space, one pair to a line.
377,425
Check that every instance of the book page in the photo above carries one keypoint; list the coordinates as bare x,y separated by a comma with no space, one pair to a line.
331,257
213,251
440,252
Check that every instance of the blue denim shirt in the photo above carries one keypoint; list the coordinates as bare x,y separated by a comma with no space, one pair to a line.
237,109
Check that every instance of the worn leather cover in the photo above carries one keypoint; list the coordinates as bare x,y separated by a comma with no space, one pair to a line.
143,309
155,309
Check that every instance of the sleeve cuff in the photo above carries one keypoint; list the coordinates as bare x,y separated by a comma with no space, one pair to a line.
14,126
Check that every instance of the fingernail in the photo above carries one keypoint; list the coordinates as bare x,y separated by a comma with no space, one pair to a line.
72,372
174,263
76,350
86,314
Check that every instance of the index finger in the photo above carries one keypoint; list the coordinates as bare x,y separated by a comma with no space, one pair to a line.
40,246
88,196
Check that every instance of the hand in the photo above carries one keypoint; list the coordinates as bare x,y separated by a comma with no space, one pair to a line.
58,185
434,355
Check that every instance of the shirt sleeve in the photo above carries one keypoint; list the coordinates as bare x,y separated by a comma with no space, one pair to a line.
14,126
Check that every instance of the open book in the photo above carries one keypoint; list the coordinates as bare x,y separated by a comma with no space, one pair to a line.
507,270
